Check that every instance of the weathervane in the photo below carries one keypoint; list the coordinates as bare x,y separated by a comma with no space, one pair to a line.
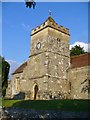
50,12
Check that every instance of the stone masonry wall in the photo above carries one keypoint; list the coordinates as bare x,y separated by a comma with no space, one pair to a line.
15,82
79,80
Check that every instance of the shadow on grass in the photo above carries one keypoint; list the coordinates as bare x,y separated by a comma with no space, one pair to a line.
37,104
21,108
66,105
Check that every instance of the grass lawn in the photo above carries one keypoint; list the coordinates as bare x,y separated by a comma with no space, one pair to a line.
71,105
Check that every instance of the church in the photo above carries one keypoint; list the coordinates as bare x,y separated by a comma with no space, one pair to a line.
50,72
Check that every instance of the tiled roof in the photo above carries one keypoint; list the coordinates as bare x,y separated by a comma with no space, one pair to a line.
76,62
80,60
20,68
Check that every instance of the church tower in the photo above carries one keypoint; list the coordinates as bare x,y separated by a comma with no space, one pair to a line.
47,73
48,61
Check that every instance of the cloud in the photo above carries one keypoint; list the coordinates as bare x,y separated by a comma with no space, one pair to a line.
26,27
86,46
13,66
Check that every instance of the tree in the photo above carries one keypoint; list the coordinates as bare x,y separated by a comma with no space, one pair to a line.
30,3
4,71
77,50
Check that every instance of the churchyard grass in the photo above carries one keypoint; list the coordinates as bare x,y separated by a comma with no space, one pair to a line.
8,102
67,105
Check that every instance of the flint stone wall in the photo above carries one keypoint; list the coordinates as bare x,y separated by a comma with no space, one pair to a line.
79,79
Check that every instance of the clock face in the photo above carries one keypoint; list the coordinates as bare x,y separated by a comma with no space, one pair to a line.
38,46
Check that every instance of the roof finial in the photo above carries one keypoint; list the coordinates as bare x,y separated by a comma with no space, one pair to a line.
50,13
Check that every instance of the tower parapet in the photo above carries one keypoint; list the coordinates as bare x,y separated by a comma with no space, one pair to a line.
50,23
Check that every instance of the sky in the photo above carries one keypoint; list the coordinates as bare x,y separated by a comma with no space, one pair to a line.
60,0
18,21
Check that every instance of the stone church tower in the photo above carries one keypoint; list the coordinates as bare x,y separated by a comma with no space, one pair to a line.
49,60
50,72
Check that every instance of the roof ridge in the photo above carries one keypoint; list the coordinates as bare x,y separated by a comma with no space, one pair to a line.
79,55
20,68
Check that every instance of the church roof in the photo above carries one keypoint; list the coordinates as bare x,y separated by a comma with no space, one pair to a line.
80,60
76,62
20,68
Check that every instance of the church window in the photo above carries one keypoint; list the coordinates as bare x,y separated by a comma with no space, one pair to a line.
58,42
70,85
17,84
